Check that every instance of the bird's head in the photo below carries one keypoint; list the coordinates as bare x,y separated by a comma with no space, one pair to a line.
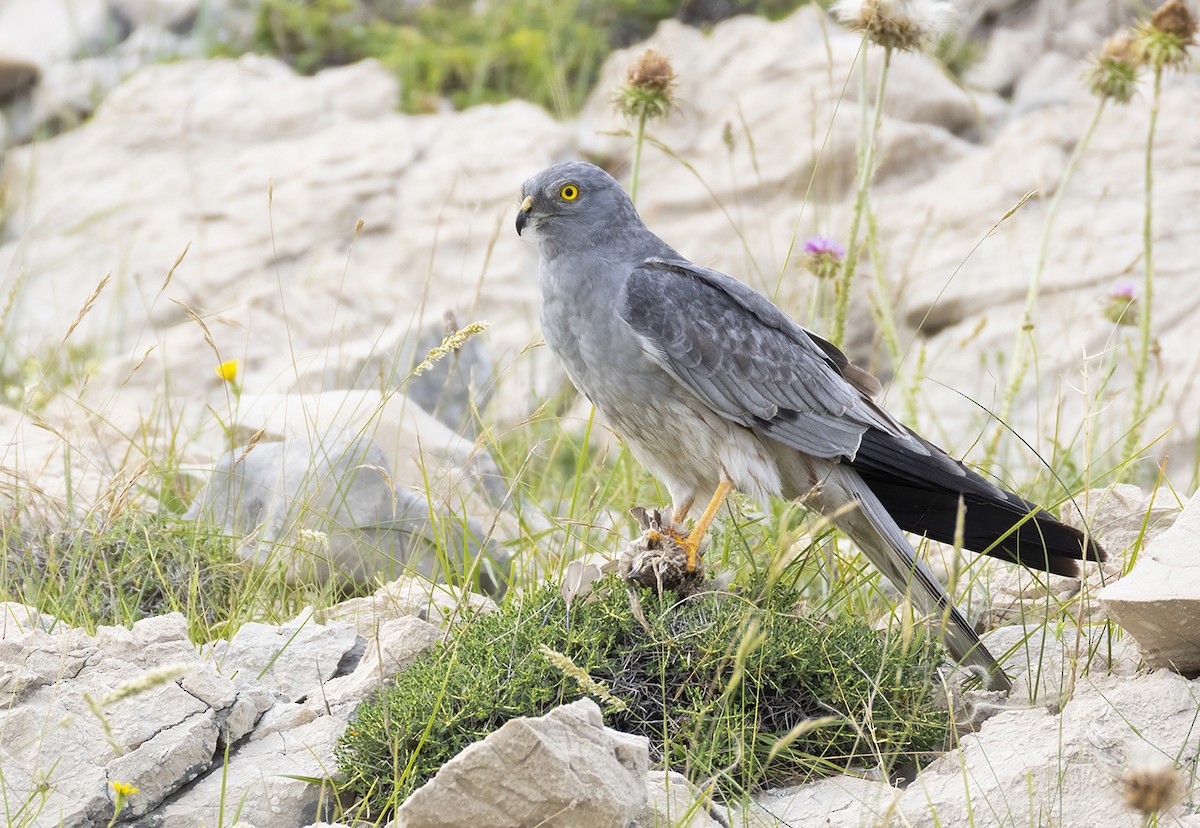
573,205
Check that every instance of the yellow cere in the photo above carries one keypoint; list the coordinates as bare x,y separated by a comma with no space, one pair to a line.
570,192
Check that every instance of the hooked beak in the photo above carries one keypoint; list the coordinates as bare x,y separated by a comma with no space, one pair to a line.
523,213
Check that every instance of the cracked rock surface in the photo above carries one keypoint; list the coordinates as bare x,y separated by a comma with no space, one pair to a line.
149,708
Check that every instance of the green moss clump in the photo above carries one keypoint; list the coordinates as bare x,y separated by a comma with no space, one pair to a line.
716,682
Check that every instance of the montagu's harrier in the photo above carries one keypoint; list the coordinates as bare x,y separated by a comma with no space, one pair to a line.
715,388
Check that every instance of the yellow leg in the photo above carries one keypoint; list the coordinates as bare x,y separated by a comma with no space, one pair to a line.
691,543
681,512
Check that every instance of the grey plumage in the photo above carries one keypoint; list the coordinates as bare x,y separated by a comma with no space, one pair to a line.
707,381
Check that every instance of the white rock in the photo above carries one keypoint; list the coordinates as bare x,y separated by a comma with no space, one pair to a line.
69,91
1046,661
1123,517
393,649
439,604
162,737
324,508
562,769
1158,603
1035,768
258,780
19,619
838,801
293,659
47,32
332,140
672,802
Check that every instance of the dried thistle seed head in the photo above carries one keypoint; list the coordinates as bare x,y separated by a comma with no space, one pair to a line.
1120,47
1114,71
1152,790
1175,18
1163,40
649,90
651,70
905,25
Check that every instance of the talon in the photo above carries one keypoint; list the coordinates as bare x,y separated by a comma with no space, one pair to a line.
689,546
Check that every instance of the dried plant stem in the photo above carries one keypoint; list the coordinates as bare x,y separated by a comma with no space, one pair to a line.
639,138
1019,365
1134,439
866,167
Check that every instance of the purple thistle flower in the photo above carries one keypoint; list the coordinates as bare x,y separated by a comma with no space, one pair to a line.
824,246
1119,307
1123,289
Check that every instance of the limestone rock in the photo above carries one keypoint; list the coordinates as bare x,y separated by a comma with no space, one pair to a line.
326,508
292,659
1123,517
1045,661
396,645
259,783
162,736
18,619
1158,603
839,801
562,769
46,33
1072,763
1017,34
458,387
438,604
672,802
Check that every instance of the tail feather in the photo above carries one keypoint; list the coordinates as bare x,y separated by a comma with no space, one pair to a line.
871,527
922,492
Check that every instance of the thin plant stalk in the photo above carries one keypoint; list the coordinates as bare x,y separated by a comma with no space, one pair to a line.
1133,441
1020,360
866,164
639,137
885,316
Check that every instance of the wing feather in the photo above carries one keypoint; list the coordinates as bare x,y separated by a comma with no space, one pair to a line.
749,362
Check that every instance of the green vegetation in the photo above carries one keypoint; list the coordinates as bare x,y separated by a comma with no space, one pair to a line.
468,52
119,570
742,691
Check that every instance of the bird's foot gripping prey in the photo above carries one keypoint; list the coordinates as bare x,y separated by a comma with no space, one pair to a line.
664,557
711,386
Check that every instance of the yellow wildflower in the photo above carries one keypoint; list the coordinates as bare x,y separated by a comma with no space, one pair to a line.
228,370
123,789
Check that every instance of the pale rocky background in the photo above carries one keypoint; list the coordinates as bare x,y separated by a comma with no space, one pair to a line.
124,148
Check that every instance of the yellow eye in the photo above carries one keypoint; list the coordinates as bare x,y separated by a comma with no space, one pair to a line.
569,192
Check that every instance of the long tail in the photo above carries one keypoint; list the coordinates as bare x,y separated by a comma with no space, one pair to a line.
921,491
847,499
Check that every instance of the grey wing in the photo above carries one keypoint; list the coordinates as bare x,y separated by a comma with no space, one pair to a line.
748,361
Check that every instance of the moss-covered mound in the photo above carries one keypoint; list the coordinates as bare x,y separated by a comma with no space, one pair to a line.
747,692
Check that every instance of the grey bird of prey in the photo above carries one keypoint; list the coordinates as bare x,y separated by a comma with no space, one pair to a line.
714,388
